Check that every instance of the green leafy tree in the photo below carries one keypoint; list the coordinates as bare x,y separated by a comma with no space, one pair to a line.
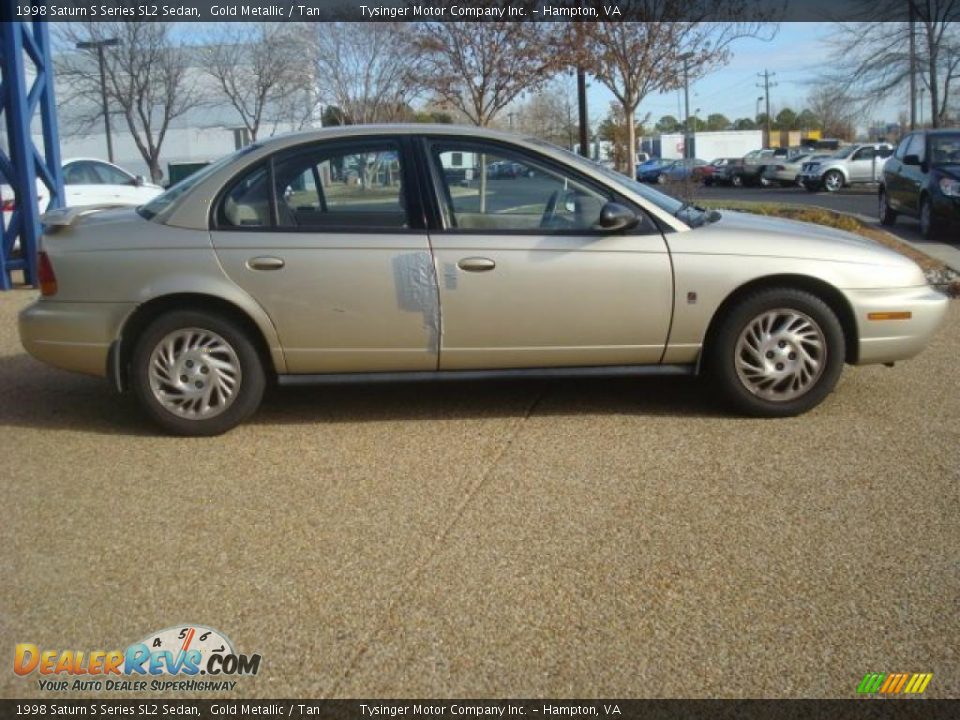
786,120
745,124
668,124
717,121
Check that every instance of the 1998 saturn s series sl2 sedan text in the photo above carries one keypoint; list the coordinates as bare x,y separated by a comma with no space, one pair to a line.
389,253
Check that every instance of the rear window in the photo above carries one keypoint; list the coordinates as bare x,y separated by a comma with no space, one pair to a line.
166,200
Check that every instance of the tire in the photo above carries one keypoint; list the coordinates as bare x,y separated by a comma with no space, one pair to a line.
736,180
772,390
810,187
887,216
215,355
833,181
764,182
661,179
708,182
929,226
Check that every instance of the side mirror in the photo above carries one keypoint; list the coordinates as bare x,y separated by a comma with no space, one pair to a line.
139,181
911,160
614,217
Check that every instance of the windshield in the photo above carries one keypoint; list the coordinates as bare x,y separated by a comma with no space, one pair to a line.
165,200
844,152
945,149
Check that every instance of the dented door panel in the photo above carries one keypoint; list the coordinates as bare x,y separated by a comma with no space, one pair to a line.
342,302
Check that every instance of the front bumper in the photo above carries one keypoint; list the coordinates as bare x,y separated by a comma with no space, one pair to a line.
72,336
885,341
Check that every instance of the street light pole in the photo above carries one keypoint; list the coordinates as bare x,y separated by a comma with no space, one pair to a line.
686,103
582,110
99,45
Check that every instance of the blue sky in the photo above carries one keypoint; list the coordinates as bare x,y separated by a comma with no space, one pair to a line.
798,54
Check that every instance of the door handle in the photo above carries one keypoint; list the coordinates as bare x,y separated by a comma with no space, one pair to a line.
265,263
476,264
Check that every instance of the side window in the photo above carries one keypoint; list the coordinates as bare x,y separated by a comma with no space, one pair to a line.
80,173
902,147
865,153
359,187
494,189
885,151
110,175
247,202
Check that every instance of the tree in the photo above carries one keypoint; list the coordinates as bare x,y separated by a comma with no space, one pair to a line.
634,59
835,112
146,77
366,69
871,60
551,114
745,124
808,120
717,121
255,66
479,68
786,119
613,130
668,124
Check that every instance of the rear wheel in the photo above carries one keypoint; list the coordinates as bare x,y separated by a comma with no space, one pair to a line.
196,373
887,216
777,353
736,180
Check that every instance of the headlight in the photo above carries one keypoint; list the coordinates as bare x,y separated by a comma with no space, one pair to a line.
950,187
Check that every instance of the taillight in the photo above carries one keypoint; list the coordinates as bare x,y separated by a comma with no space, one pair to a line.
45,274
8,205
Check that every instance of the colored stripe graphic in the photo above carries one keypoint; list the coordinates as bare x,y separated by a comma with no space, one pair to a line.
871,682
894,683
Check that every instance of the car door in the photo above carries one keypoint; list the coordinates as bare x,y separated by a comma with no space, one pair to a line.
119,185
894,184
861,164
912,176
329,239
526,279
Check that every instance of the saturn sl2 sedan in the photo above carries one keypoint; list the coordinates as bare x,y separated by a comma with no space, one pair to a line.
369,254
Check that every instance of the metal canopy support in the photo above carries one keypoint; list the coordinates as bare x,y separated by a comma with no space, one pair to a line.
26,45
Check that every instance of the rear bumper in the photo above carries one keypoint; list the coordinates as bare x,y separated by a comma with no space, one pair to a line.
72,336
883,341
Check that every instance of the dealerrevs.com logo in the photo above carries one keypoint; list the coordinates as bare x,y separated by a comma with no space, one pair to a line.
185,657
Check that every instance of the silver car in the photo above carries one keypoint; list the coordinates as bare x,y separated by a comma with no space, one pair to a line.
388,253
851,165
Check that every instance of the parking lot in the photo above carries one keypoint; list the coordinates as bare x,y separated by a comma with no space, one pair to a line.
554,538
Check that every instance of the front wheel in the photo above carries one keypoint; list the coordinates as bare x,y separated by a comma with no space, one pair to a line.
736,180
196,373
833,181
778,353
929,227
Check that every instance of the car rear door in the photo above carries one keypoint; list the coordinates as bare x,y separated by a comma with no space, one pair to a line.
526,279
330,239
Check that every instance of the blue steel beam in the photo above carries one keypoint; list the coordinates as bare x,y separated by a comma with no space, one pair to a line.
22,42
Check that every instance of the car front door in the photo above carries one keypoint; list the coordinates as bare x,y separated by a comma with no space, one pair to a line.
861,165
526,278
329,239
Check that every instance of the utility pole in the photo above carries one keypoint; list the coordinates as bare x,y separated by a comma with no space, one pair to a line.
686,103
913,67
766,75
582,111
99,45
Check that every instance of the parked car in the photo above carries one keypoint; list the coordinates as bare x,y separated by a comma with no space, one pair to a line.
672,171
750,170
706,172
852,165
724,172
648,171
87,181
786,171
922,180
198,299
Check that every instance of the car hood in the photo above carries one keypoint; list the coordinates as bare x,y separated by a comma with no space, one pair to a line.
748,234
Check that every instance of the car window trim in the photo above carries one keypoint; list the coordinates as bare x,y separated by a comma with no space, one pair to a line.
439,223
416,223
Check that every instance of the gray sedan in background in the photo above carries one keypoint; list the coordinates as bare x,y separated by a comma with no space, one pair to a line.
372,253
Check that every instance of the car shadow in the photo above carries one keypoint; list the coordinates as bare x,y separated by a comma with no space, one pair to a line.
38,397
